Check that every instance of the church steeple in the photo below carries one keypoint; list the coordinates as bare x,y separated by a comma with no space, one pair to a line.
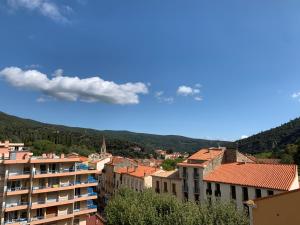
103,147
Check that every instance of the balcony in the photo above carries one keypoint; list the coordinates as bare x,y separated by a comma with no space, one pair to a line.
52,202
16,206
54,187
85,210
185,175
17,190
52,218
54,173
16,221
19,175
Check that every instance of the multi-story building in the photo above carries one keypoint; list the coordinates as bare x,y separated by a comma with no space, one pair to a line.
228,175
167,182
137,177
48,189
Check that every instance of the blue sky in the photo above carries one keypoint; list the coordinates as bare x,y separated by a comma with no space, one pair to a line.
205,69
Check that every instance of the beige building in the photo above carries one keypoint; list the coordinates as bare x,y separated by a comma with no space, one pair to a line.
217,173
137,177
48,189
167,182
276,210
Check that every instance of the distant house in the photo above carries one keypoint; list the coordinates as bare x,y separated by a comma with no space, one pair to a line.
276,210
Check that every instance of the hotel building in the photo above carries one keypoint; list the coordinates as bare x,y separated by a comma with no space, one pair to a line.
48,189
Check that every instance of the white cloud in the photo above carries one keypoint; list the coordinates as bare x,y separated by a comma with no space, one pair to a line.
159,95
92,89
296,95
198,98
244,136
184,90
45,7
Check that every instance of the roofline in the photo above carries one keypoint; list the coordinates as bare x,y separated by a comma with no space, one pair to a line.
280,194
243,185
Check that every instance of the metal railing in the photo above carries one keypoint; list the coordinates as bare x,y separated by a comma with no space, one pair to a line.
9,205
16,188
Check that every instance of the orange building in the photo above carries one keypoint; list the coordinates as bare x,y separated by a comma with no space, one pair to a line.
281,209
48,189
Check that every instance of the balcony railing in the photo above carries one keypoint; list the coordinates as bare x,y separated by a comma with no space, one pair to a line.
51,200
196,190
17,188
19,173
185,175
9,205
52,186
19,220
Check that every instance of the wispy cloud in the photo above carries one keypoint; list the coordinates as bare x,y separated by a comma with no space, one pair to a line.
45,7
184,90
92,89
159,95
296,95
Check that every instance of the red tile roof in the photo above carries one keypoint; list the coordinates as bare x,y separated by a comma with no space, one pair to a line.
139,171
204,156
269,176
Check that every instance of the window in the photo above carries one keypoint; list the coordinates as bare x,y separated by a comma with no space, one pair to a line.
165,187
77,192
185,186
233,192
258,193
270,192
245,194
39,213
157,187
184,172
77,206
208,190
196,186
218,190
197,198
186,196
196,174
174,189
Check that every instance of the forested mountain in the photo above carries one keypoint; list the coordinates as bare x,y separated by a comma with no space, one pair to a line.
45,137
273,139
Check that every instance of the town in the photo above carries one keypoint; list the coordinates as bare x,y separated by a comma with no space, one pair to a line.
72,189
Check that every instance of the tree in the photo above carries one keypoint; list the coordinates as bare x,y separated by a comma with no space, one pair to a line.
170,164
128,207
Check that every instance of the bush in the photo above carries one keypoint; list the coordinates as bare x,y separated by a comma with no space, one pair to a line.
128,207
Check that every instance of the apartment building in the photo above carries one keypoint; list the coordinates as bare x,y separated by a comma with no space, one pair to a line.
48,189
228,175
167,182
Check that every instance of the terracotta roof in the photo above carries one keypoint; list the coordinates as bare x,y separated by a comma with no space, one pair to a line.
83,158
204,155
139,171
118,159
272,176
173,174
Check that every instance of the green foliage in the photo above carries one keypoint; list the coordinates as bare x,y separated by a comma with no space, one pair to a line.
170,164
273,140
64,139
264,155
148,208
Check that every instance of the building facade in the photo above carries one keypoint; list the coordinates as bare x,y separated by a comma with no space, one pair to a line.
276,210
167,182
228,175
48,189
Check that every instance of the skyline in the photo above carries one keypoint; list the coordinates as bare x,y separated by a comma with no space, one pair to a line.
199,69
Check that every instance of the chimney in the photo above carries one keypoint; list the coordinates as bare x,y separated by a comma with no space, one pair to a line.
6,144
62,156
